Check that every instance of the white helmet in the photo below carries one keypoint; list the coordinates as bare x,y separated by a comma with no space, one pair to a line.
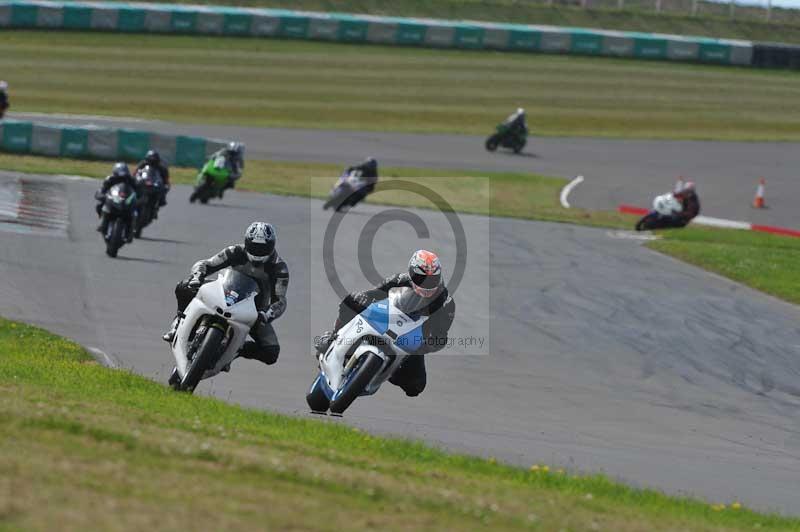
520,111
3,85
259,242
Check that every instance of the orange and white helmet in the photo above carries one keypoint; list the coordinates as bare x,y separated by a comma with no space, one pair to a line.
425,272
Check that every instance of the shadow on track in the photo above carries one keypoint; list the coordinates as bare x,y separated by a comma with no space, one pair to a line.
163,240
237,207
141,259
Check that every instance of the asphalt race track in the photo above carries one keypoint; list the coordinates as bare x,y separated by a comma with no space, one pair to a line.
616,171
604,355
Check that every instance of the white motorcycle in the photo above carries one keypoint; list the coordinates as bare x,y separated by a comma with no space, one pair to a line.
213,328
367,351
663,205
342,193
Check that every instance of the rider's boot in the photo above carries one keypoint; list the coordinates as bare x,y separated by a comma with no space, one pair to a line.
103,223
323,342
170,334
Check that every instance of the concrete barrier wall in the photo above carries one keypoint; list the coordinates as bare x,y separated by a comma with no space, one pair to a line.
102,143
210,20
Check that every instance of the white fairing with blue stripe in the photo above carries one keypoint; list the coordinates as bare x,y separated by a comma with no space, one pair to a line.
394,321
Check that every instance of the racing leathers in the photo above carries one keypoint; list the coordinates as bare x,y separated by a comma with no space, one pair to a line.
690,208
163,172
516,122
272,277
411,376
233,162
100,196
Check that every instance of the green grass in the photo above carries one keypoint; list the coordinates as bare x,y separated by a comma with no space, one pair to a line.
712,19
319,85
84,447
769,263
517,195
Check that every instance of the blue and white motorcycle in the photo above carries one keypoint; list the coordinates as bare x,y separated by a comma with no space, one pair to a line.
368,350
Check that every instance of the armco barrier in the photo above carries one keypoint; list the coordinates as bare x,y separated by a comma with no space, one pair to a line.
102,143
210,20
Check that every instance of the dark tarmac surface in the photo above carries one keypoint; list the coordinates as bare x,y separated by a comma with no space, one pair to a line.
605,356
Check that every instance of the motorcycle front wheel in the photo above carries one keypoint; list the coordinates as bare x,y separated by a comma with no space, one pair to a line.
493,142
356,382
204,358
114,241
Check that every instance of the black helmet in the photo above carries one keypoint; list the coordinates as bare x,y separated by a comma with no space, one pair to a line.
259,241
235,147
371,164
121,170
152,157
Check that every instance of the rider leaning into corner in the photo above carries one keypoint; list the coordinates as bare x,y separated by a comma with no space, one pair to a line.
257,259
119,174
231,157
153,158
516,121
424,276
690,203
368,170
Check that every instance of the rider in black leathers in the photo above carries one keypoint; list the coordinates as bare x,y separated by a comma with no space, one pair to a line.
119,174
369,171
153,158
516,122
424,277
257,259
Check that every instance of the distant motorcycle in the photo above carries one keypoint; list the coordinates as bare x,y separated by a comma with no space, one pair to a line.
507,137
343,193
367,351
211,181
663,206
119,206
213,328
150,188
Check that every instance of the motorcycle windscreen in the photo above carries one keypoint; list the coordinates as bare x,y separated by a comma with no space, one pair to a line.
237,287
408,301
121,193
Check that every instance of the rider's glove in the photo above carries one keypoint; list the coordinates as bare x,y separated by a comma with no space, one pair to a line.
98,195
196,281
267,315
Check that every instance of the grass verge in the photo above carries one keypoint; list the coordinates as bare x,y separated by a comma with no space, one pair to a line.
713,19
336,86
769,263
85,447
516,195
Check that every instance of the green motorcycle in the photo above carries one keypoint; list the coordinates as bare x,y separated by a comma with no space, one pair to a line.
508,137
212,180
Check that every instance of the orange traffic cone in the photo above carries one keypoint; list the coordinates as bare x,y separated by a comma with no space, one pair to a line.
758,201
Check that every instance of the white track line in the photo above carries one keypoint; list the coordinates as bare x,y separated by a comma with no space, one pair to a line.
568,188
103,358
721,222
